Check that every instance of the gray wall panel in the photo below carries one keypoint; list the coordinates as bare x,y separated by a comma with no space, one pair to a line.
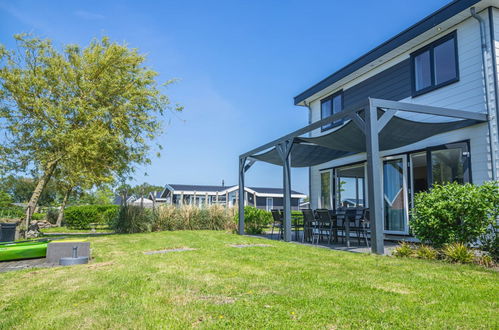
393,83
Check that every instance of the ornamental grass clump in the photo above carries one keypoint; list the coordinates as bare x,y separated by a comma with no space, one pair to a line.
454,213
458,252
404,250
191,217
426,252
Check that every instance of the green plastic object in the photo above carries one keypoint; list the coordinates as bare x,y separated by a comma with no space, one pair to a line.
23,250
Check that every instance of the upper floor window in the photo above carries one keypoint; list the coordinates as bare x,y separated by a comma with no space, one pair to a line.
330,106
435,65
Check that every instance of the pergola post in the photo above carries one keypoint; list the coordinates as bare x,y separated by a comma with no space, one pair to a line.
242,162
284,150
375,189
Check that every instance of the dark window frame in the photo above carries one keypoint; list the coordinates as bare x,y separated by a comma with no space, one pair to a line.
330,98
430,47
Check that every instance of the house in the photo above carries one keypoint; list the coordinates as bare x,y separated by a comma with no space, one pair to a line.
200,195
419,109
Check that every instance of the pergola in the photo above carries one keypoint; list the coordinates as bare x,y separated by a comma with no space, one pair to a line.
370,127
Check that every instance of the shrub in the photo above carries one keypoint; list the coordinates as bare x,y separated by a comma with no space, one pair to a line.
81,216
485,260
255,220
403,250
38,216
133,219
426,252
490,242
12,212
454,213
52,214
458,252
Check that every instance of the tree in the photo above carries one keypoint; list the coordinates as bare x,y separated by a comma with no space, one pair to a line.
5,199
21,188
98,106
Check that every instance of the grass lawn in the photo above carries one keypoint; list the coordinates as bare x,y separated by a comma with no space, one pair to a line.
75,231
216,286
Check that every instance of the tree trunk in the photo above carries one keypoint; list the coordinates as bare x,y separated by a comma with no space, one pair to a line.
60,216
42,183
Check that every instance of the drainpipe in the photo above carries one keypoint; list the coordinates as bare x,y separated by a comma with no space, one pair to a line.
485,60
310,168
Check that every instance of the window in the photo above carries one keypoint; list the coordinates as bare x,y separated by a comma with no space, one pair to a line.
330,106
270,203
435,65
325,201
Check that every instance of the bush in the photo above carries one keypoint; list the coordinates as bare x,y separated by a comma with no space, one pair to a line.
454,213
188,217
458,252
403,250
12,212
133,219
490,243
426,252
52,214
255,220
81,216
38,216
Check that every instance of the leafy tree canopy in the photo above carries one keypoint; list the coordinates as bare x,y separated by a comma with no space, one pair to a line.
92,110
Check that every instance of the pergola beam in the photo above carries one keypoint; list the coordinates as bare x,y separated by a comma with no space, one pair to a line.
379,103
427,109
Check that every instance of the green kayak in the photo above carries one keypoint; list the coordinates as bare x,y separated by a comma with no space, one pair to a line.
23,250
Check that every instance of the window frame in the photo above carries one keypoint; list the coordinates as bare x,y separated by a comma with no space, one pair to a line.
330,98
431,47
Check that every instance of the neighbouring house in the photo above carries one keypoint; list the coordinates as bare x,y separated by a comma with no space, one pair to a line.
201,195
419,109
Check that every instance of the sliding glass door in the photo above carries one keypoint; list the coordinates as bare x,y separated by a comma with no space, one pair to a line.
395,195
439,165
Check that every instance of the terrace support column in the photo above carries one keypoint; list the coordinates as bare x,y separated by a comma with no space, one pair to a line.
242,162
375,189
284,150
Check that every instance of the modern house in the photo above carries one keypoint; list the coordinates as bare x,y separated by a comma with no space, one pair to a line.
200,195
419,109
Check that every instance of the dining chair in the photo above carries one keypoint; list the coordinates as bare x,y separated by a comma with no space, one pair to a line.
308,223
278,223
325,224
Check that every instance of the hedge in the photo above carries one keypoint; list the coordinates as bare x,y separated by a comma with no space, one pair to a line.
81,216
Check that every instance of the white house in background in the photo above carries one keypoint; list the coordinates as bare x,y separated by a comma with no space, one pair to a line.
262,198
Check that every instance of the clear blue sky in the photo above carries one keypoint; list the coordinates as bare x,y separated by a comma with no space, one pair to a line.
239,63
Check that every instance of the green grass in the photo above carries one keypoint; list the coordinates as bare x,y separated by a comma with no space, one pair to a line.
217,286
75,231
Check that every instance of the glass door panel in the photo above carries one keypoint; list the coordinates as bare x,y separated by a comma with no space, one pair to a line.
326,196
447,165
395,195
349,186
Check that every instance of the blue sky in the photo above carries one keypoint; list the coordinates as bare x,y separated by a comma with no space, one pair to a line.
239,64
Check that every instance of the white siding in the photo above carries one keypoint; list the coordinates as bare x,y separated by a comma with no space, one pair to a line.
467,94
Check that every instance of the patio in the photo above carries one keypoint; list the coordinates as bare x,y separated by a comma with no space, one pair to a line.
373,126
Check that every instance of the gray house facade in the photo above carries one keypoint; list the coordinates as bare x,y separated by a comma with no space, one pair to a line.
203,195
419,109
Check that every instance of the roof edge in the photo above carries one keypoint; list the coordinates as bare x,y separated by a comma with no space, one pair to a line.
430,21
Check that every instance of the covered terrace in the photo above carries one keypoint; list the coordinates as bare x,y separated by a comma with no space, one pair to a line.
372,126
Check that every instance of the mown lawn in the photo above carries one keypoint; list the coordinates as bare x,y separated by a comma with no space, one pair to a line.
216,286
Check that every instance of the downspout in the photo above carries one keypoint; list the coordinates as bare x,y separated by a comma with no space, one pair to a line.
309,168
485,60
